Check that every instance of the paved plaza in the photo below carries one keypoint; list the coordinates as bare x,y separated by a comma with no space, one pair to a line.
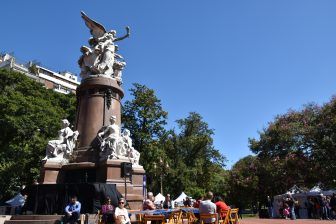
283,221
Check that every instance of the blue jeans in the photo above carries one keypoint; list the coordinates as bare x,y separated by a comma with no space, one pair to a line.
292,212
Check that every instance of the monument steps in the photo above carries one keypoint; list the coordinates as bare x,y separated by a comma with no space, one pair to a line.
30,219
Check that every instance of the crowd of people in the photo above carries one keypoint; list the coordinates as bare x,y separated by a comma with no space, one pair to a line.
322,207
287,207
217,201
110,214
318,207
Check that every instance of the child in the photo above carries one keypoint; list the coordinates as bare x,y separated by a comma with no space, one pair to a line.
286,211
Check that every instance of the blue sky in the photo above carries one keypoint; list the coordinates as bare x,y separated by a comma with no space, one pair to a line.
237,63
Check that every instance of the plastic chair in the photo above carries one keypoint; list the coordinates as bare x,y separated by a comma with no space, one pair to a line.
205,217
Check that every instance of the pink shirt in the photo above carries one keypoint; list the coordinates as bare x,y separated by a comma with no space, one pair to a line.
107,209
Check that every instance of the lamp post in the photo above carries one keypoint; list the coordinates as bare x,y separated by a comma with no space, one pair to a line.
162,167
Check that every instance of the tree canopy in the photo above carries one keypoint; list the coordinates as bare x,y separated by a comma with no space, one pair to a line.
297,148
30,115
186,161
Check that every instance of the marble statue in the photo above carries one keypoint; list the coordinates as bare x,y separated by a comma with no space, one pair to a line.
114,145
108,140
118,66
61,149
101,59
131,153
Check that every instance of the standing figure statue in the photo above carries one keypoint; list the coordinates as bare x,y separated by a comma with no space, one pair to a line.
62,148
99,58
108,140
118,66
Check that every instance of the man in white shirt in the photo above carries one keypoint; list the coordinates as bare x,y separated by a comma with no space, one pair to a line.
207,207
121,214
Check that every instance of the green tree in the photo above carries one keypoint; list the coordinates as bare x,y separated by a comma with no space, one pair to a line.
244,182
186,161
145,118
196,166
297,149
324,145
29,116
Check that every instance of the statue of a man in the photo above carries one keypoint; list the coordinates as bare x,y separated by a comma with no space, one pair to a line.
62,147
109,138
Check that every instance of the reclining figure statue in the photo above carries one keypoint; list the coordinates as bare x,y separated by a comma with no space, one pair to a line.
114,145
61,149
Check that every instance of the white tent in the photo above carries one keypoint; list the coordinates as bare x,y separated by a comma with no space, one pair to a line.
159,198
18,200
180,198
315,189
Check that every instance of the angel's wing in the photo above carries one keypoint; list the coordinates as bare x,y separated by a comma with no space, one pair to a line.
97,30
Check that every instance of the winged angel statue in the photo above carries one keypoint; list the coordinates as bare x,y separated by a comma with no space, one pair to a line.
101,58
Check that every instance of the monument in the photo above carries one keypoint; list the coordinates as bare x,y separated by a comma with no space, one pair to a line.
97,150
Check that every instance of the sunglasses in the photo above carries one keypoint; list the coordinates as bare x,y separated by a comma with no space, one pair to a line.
121,202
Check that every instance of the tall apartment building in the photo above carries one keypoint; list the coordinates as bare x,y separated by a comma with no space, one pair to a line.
62,82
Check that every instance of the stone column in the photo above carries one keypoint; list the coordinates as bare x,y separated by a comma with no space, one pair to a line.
98,98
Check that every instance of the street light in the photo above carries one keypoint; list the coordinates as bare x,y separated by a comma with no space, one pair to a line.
162,168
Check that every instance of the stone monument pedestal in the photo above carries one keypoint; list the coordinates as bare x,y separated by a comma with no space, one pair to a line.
109,172
98,98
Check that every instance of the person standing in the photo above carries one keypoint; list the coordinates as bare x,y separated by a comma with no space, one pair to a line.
207,207
310,207
332,205
324,207
290,201
270,207
72,211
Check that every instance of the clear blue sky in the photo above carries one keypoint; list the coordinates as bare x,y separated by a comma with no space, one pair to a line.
237,63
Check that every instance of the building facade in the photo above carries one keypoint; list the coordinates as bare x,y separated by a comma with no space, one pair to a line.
62,82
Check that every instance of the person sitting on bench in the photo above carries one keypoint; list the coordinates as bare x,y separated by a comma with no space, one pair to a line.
72,211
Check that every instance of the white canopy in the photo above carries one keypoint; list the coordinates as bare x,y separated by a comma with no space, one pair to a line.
180,198
18,200
316,189
158,198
